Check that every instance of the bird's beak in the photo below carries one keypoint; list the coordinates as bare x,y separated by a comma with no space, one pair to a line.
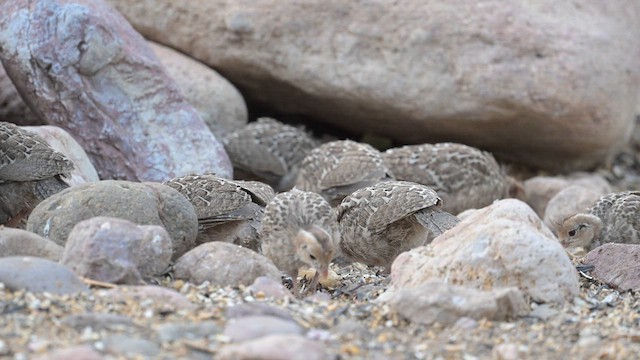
324,272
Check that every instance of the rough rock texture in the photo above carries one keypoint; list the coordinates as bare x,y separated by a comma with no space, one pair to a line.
502,245
63,142
224,264
617,265
219,103
274,347
141,203
18,242
522,79
80,65
12,108
117,251
539,190
253,327
439,302
38,275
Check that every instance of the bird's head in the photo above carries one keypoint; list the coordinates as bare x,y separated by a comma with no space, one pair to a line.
579,230
315,248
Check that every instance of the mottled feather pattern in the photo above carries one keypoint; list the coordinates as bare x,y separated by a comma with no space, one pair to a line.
620,215
25,156
268,146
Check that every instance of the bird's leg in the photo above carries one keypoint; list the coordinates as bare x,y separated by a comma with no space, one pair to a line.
295,285
313,284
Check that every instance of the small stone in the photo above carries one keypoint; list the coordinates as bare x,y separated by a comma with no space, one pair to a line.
166,299
130,346
38,275
257,309
176,331
252,327
616,265
98,321
269,287
18,242
79,352
276,347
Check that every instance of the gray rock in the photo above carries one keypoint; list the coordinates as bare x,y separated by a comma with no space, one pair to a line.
167,299
117,251
81,66
191,331
253,327
257,309
616,265
98,321
502,245
18,242
224,264
508,76
275,347
439,302
130,346
38,275
141,203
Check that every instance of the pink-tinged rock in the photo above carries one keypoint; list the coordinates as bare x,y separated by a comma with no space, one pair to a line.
62,141
617,265
253,327
439,302
39,275
167,299
270,288
79,65
275,347
546,82
117,251
223,264
502,245
142,203
79,352
18,242
218,102
12,108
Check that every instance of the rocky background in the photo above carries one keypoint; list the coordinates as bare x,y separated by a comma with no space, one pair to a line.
139,92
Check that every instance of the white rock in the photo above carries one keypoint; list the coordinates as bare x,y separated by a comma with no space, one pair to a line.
502,245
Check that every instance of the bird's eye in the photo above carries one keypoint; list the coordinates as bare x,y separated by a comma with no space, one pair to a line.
312,257
572,233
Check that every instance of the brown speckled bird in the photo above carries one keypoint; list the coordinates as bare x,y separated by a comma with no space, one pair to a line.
613,218
463,176
381,221
299,228
268,150
30,171
227,210
338,168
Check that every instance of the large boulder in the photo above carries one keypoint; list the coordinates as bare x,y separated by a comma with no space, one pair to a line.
502,245
38,275
219,103
141,203
12,108
519,78
79,65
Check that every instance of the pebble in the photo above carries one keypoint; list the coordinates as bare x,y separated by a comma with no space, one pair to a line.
252,327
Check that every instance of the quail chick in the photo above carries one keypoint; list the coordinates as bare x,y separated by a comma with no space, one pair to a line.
227,210
381,221
613,218
299,228
463,176
30,171
268,150
338,168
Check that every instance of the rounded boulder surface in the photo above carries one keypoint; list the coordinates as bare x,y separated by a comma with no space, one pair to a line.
18,242
117,251
38,275
141,203
224,264
502,245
